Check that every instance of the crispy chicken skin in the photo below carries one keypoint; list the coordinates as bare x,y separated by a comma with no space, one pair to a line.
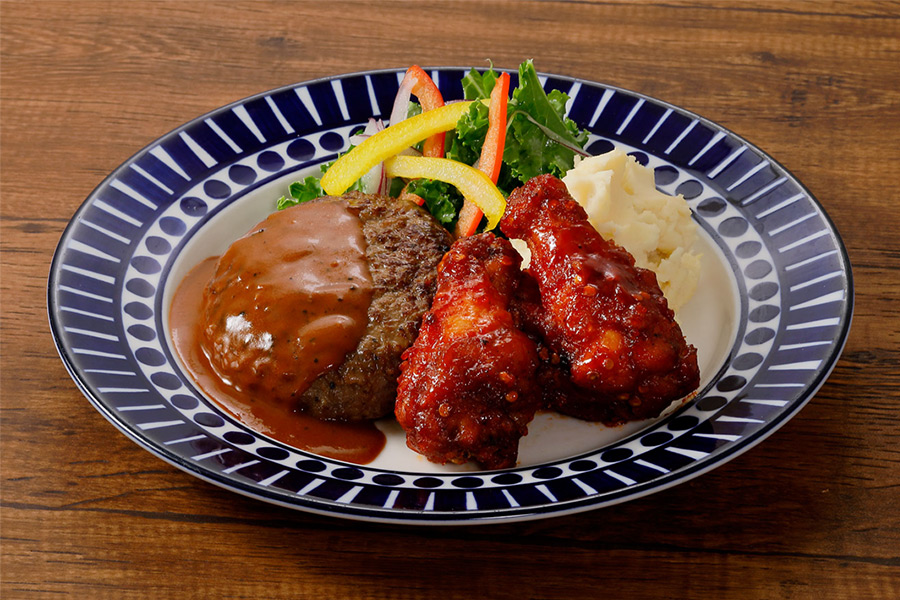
611,347
468,385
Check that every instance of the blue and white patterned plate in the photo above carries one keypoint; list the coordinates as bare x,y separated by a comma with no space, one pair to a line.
770,318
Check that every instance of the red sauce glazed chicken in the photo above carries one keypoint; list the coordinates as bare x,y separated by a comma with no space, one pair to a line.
613,350
468,386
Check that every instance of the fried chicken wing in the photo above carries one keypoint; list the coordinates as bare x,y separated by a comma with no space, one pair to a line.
613,351
468,386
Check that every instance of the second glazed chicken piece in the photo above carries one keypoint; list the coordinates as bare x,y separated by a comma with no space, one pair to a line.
616,352
468,385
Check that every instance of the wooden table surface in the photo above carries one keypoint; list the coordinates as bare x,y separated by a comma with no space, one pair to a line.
814,511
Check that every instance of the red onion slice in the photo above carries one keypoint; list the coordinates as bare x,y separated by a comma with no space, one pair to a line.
373,182
401,100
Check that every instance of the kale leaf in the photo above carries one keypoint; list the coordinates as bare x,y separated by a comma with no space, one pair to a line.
442,200
530,150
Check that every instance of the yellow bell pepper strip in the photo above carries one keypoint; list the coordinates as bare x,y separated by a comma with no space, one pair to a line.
430,97
491,153
388,142
474,185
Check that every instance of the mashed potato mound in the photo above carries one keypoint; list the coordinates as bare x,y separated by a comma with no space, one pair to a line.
623,204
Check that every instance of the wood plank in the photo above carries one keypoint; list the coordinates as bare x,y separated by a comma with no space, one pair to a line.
810,512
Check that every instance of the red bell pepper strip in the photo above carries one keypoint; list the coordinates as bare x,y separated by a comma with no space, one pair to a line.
491,153
430,98
407,195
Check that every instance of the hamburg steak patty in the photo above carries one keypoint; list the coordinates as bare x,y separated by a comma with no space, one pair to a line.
266,324
404,245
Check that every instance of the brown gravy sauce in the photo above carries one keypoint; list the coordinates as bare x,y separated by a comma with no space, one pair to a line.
284,304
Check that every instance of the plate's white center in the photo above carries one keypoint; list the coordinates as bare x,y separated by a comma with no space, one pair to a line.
709,321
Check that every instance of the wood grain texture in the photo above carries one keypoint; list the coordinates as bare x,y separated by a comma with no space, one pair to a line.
814,511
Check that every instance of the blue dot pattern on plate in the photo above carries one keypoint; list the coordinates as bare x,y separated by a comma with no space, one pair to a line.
789,265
